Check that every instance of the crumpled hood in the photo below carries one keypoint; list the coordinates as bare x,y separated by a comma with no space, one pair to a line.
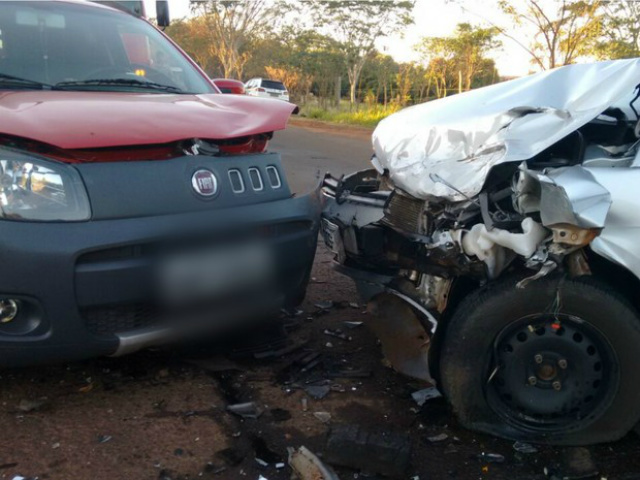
458,139
83,120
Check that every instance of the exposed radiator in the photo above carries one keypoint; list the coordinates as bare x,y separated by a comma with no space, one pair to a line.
406,213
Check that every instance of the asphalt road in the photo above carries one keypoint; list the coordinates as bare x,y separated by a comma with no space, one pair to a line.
309,152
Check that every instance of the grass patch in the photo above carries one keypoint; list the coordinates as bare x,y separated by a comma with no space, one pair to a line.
363,115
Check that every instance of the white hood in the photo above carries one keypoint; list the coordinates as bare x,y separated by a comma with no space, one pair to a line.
460,138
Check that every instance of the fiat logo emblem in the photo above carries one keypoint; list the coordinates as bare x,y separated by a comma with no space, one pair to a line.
204,183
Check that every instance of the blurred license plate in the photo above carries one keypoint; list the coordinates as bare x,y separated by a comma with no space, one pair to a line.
204,274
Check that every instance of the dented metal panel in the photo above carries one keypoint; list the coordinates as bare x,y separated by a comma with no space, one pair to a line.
460,138
618,240
568,195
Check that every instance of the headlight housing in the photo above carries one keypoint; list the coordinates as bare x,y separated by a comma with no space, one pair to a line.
36,189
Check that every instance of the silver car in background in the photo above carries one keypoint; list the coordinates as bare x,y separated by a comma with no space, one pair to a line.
263,87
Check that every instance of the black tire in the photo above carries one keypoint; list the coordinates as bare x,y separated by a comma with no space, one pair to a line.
578,338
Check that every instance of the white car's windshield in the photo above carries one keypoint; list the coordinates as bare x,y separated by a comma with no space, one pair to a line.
80,47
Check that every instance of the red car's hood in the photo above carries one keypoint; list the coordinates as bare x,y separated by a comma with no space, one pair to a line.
84,120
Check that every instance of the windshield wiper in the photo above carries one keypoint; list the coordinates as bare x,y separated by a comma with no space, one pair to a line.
22,82
116,82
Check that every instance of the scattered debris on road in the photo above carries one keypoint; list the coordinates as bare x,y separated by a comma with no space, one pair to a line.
246,410
438,438
307,466
525,448
424,395
491,457
324,417
326,305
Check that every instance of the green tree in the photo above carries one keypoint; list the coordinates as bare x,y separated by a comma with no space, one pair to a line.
458,60
563,30
192,35
232,26
300,54
357,24
379,76
419,82
620,30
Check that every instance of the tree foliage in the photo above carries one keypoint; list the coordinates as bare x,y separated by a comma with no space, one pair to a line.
563,30
357,25
620,30
232,25
456,63
328,41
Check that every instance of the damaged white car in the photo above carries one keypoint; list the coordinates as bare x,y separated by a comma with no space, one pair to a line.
497,241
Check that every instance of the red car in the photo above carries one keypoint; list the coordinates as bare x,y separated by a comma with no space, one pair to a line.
137,204
228,85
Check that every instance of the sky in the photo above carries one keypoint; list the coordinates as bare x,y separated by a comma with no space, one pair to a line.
433,18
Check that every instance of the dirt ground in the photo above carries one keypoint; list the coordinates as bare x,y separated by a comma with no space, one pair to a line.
162,414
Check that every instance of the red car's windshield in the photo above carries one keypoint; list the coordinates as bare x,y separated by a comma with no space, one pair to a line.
82,47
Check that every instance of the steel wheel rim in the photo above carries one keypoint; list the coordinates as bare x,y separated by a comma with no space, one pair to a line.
551,373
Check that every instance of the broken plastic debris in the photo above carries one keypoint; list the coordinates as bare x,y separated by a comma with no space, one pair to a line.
351,324
522,447
104,438
354,305
291,312
438,438
337,333
324,417
491,457
324,305
27,405
307,466
422,396
261,462
245,410
212,468
318,391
